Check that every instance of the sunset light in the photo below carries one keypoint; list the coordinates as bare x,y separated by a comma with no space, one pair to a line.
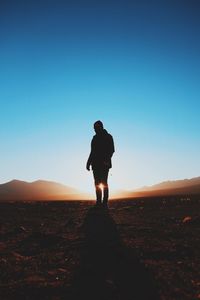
101,186
133,77
99,156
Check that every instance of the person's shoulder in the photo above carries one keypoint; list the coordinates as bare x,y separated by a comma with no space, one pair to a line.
94,137
107,133
110,136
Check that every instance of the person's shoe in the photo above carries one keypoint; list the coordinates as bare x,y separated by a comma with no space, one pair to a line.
105,205
98,204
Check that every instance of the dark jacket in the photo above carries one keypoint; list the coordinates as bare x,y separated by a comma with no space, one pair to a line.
102,149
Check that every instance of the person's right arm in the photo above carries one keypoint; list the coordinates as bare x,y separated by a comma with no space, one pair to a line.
89,161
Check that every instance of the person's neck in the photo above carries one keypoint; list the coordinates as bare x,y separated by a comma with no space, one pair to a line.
100,132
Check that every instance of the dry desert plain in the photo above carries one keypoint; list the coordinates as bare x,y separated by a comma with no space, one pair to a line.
147,248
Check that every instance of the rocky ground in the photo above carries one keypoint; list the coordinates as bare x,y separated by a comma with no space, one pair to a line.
138,249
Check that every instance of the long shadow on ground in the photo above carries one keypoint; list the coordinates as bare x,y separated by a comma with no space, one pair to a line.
108,270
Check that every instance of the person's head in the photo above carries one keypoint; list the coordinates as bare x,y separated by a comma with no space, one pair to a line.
98,126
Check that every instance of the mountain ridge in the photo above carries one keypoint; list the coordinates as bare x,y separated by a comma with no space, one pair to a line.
51,190
38,190
170,187
173,183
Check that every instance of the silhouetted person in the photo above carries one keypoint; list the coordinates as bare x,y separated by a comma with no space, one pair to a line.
102,149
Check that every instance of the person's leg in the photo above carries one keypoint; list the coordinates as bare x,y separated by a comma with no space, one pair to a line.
105,187
97,181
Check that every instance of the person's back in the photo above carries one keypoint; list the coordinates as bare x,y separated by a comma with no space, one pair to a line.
102,149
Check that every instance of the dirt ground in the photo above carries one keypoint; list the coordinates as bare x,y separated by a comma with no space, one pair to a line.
137,249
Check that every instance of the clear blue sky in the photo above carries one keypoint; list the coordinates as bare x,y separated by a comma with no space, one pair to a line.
133,64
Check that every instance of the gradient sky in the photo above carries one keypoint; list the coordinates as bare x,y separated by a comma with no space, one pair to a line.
135,65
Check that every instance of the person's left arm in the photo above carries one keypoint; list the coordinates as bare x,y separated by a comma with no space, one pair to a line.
111,147
110,151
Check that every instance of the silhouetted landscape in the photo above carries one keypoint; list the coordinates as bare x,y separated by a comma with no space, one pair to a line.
103,97
141,248
17,190
168,188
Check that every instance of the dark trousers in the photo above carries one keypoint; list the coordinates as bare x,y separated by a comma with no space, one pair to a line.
101,184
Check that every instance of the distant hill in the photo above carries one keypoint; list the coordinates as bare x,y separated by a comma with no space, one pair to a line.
176,187
48,190
173,184
38,190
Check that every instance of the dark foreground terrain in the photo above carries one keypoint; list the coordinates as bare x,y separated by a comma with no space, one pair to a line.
138,249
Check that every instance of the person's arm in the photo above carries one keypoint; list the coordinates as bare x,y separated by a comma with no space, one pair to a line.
89,161
112,147
110,151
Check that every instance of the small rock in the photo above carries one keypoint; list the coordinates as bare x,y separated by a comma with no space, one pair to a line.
62,270
187,219
23,228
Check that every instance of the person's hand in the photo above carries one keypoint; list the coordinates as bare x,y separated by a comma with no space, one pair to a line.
88,166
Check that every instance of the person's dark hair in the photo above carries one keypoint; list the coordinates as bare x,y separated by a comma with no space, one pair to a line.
98,124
